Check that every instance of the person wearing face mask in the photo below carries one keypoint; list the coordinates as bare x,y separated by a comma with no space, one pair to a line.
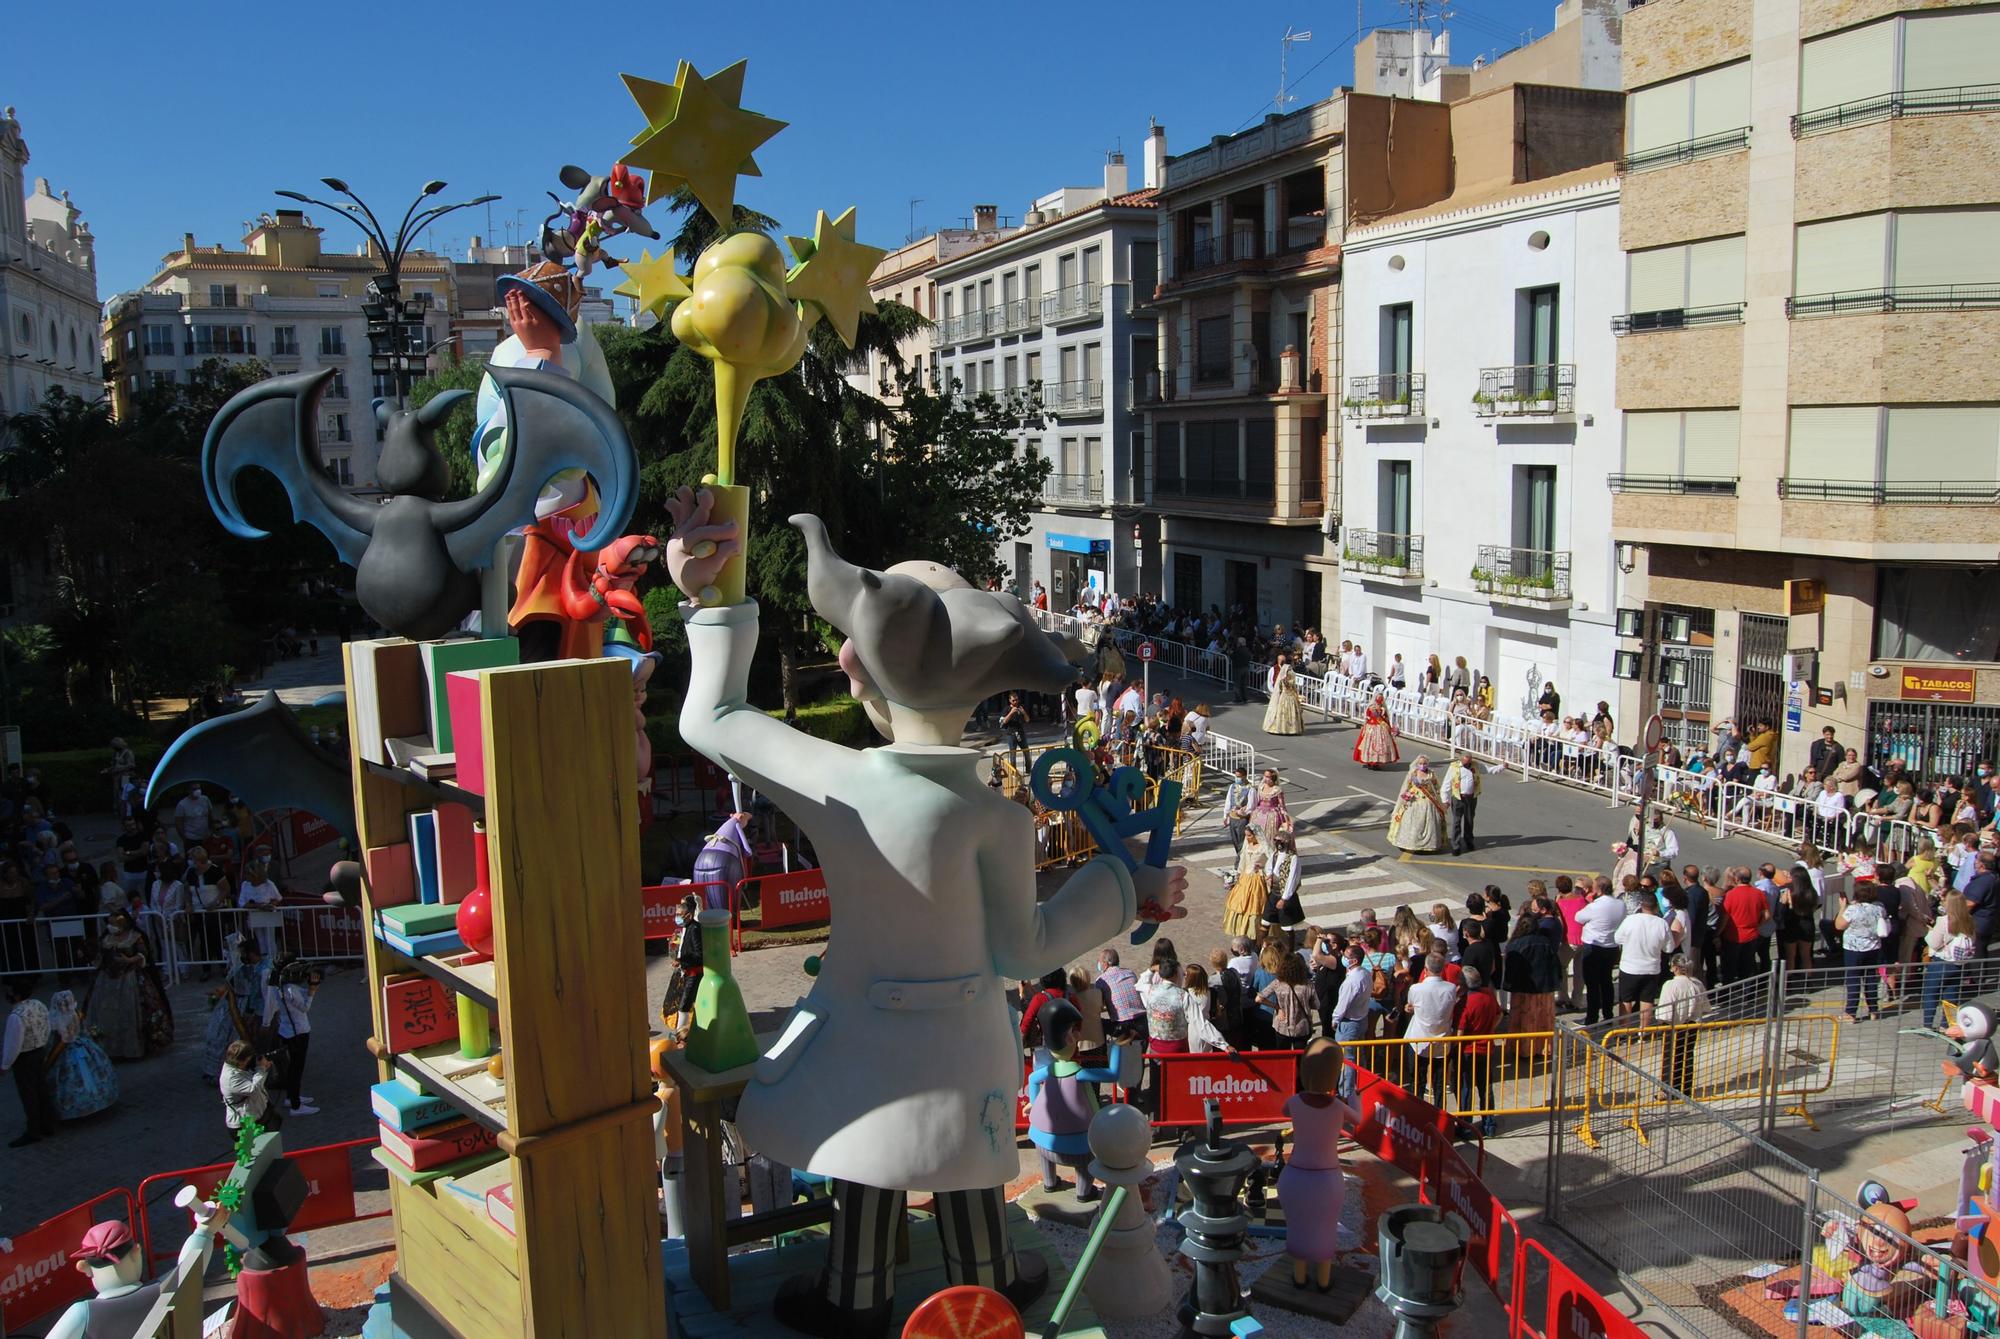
127,1005
208,896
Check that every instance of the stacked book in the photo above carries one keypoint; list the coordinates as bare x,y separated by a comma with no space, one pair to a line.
487,1192
420,929
424,1138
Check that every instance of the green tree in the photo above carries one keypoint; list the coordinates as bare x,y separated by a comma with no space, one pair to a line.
454,438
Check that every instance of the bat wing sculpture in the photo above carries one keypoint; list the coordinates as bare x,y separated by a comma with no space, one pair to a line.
414,556
262,755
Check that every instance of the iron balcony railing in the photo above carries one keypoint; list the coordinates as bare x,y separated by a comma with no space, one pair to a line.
1385,395
1294,239
1073,489
1014,318
1947,492
1528,574
1927,297
1667,155
1384,553
1073,397
220,348
1079,302
1525,390
1891,106
1705,485
1677,318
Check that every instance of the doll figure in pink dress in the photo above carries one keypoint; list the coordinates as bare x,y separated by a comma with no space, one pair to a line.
1311,1186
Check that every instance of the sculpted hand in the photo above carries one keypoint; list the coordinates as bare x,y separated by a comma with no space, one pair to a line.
1161,892
698,550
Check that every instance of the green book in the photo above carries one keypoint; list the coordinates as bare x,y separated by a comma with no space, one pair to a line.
465,653
401,1170
420,918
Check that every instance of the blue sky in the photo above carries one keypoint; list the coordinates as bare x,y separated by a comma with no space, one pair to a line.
155,132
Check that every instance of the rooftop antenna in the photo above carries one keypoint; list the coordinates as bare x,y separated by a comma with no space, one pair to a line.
911,236
1284,57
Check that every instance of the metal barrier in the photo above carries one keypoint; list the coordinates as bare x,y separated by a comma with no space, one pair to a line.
328,1170
1488,1075
1732,1060
319,931
36,1276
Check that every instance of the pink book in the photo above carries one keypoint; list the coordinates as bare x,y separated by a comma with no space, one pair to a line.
468,737
500,1207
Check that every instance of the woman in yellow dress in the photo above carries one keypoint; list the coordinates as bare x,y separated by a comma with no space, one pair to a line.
1244,912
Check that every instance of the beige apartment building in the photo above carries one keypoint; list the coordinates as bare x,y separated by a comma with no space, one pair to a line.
1805,508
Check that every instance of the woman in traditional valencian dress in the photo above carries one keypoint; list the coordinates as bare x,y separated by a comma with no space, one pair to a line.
80,1074
1268,813
1417,823
1376,744
1284,716
1243,914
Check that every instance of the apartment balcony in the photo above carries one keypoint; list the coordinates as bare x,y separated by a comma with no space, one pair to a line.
1389,397
1080,302
1526,390
1934,493
1896,106
1073,490
1534,578
1382,558
1687,151
1675,485
1677,318
287,356
240,349
1019,317
1073,399
1925,298
1259,500
218,302
1252,250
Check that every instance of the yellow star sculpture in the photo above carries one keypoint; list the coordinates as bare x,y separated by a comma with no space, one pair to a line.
653,284
833,272
697,134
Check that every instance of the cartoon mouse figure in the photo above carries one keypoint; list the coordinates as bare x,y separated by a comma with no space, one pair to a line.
604,207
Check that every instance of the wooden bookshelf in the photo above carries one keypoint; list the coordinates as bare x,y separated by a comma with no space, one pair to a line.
567,991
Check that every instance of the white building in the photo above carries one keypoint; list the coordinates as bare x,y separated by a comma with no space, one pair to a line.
48,287
1052,305
1479,425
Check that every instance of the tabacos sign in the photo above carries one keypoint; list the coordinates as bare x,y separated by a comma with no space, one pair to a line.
1939,683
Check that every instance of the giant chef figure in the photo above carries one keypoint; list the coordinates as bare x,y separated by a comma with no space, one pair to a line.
899,1071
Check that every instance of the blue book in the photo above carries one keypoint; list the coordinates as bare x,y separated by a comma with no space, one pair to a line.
401,1107
420,946
424,854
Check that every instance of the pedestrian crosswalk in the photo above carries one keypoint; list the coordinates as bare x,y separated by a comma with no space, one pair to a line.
1338,880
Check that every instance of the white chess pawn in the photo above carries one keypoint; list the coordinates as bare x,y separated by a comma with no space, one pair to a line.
1130,1277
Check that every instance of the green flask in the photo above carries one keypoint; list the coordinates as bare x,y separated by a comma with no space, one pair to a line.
721,1037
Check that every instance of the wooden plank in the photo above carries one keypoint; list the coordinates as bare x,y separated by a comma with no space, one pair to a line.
562,832
380,804
476,1094
589,1216
468,1278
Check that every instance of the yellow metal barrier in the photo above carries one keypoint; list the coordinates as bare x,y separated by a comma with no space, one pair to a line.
1709,1062
1062,839
1494,1074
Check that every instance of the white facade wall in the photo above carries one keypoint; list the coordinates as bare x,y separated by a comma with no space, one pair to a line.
1464,275
1088,352
48,287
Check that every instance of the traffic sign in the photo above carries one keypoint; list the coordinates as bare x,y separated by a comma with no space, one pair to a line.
1145,651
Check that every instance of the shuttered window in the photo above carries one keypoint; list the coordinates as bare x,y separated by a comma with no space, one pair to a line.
1947,246
1653,444
1835,443
1709,438
1658,116
1942,444
1721,100
1841,255
1715,272
1951,50
1659,279
1848,67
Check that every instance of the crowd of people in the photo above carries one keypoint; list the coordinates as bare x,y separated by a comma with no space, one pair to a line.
160,876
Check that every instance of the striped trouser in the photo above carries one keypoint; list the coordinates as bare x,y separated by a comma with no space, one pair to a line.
861,1254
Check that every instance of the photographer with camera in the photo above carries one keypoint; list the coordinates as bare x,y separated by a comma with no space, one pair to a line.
245,1095
288,1005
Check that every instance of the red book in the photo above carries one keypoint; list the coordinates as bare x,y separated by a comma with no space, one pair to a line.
458,867
436,1145
500,1207
417,1011
468,737
391,875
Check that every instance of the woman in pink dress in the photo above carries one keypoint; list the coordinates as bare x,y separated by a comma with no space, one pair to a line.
1376,744
1268,813
1311,1187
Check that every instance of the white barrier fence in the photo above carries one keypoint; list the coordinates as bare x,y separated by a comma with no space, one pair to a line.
183,942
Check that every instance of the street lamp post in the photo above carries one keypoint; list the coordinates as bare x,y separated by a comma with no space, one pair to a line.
398,347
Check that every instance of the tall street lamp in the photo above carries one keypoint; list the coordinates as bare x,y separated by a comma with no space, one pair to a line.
397,344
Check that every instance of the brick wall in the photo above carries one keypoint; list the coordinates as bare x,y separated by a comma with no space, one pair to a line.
1896,358
1697,368
1911,163
1674,37
1706,198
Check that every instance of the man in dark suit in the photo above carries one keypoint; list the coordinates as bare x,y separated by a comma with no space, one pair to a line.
1827,752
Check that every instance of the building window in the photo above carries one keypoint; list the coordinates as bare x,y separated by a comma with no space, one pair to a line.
1671,286
1167,474
329,290
222,295
1910,65
26,327
1680,452
1260,459
1935,258
1877,454
1937,613
1010,371
1034,368
155,380
159,341
1145,263
332,342
211,340
285,341
1211,349
336,429
1187,580
338,390
1214,458
1690,117
340,471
